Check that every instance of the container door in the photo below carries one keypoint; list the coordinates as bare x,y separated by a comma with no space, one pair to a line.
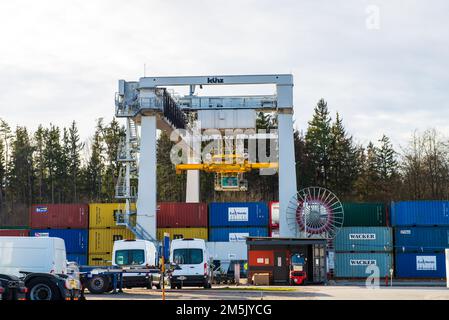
319,264
280,272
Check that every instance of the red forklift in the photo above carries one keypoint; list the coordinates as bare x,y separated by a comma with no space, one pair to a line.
298,274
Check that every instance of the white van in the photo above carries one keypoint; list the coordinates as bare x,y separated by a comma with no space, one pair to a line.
41,263
192,260
32,254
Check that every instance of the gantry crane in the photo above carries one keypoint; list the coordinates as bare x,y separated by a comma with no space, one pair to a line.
148,103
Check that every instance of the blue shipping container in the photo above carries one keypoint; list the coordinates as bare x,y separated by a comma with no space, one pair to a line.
420,265
355,265
79,258
235,234
238,214
361,239
75,239
420,213
422,239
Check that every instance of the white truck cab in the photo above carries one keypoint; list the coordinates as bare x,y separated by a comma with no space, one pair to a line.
192,263
134,253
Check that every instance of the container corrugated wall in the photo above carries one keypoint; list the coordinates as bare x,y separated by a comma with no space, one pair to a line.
236,234
364,214
238,214
59,216
101,240
103,215
420,213
361,239
181,215
75,240
14,232
79,258
421,239
178,233
420,265
100,259
354,265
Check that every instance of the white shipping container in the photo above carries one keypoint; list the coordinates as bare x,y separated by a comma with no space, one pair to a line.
227,250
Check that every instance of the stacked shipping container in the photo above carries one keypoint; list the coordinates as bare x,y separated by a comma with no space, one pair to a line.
6,231
421,235
66,221
364,240
103,231
230,222
182,220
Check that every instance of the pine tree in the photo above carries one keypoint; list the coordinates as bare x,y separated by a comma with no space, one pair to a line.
74,147
53,155
93,178
39,161
318,140
342,160
387,169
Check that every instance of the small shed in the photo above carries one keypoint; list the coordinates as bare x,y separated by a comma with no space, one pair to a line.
273,256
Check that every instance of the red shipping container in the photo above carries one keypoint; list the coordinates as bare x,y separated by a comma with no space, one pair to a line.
59,216
14,233
181,215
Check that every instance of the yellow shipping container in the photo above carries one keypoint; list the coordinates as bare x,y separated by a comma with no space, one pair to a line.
100,259
101,240
102,215
177,233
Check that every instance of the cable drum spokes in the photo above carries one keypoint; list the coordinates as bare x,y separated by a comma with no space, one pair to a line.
315,211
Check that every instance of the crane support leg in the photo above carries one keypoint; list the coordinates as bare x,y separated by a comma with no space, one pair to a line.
146,202
193,176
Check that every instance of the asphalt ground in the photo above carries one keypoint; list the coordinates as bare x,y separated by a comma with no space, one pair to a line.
339,292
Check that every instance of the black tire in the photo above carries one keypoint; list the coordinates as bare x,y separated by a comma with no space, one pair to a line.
172,286
179,287
99,284
43,289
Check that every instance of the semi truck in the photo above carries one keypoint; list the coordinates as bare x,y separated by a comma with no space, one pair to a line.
12,288
41,264
135,264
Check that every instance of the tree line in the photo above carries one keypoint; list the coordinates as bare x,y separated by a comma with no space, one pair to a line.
53,165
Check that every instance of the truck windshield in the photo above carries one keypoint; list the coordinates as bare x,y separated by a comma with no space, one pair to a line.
129,257
188,256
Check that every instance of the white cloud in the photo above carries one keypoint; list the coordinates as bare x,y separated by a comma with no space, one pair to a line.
60,60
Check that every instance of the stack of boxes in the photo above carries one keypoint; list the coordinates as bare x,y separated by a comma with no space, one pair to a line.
66,221
421,230
181,220
363,240
103,231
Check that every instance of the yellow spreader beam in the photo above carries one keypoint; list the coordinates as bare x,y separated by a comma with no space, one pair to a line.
218,167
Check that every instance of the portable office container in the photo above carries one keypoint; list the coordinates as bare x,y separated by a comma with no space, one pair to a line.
180,233
359,239
103,215
75,239
238,214
420,265
59,216
181,215
100,259
101,240
236,234
364,214
355,265
79,258
421,239
14,232
420,213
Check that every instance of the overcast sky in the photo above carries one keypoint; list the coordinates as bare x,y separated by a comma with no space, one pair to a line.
60,60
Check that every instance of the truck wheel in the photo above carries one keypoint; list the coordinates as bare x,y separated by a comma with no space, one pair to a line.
172,286
98,284
207,285
42,289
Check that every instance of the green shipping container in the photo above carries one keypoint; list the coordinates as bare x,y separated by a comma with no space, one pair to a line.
364,214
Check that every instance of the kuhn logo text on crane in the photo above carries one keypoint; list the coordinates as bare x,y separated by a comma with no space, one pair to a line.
215,80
